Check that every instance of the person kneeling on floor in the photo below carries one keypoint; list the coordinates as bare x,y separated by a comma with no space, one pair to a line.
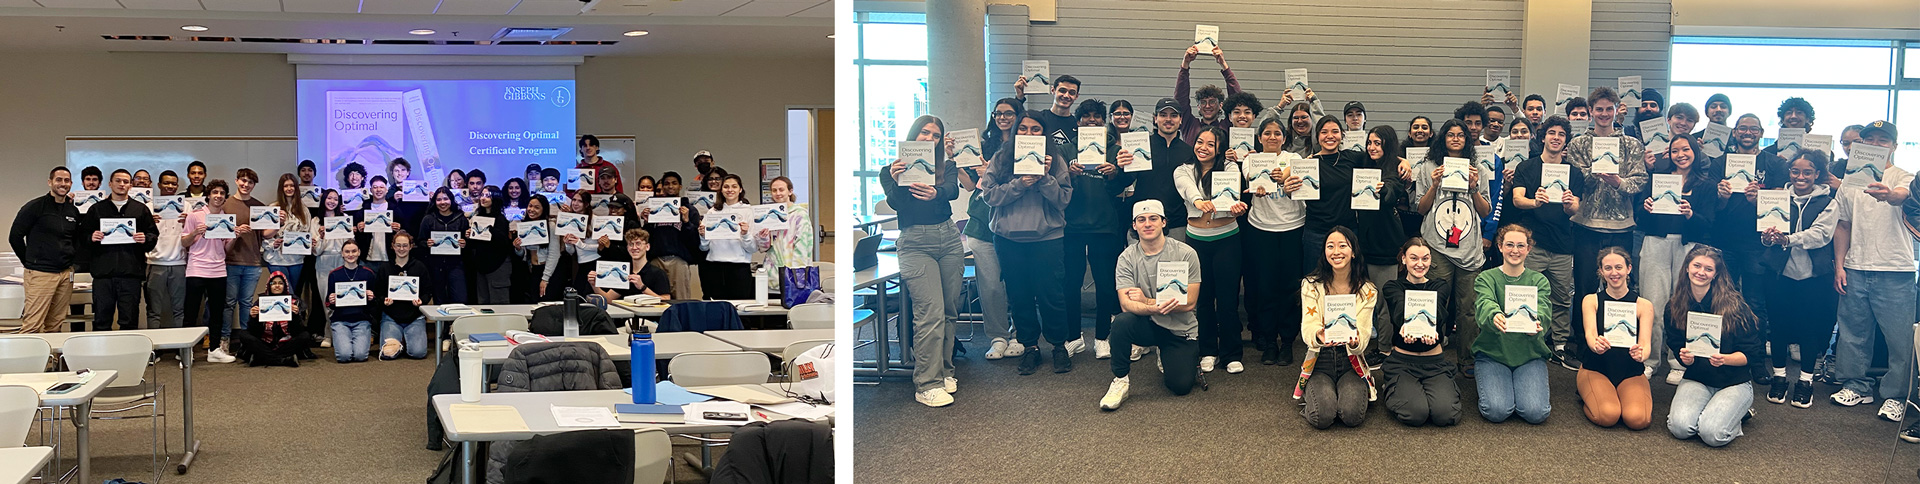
1146,318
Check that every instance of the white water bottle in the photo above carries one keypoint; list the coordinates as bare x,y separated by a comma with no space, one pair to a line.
471,378
760,285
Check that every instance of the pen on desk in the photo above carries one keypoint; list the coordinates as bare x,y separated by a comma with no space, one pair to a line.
762,415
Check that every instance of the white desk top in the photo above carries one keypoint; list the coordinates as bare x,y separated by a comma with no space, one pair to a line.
163,339
79,395
432,311
535,409
769,340
665,346
746,307
17,464
887,269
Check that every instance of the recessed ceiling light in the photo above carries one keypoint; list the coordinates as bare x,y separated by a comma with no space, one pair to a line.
421,31
635,33
194,28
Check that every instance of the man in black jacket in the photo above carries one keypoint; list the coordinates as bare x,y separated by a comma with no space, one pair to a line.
118,265
43,235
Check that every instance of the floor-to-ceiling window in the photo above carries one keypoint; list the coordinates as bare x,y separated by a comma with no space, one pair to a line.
892,63
1847,81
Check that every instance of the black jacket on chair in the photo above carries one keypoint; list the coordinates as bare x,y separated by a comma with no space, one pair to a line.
580,456
787,451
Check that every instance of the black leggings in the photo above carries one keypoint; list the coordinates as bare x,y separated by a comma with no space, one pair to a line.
1808,321
1219,304
725,280
211,291
1273,284
1101,251
1179,355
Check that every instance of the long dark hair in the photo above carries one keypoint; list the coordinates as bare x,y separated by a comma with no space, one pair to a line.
1437,147
1313,135
1219,162
991,138
1409,140
913,130
721,204
1002,166
1389,147
1286,135
1356,270
546,209
1699,176
1733,310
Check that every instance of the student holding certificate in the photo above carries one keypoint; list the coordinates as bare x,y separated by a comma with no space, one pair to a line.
119,259
1380,248
401,323
1875,254
1716,393
1611,379
931,259
1146,320
1545,197
1669,236
1214,238
673,243
1452,225
1210,97
1606,217
1419,383
1334,183
1270,244
1336,299
979,239
487,259
294,220
728,270
1511,362
447,271
207,269
645,277
1095,234
274,343
351,325
326,257
1300,118
792,247
546,261
1029,220
1804,254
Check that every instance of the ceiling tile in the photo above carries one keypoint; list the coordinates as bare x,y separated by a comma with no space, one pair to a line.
242,5
549,7
162,4
81,4
769,8
476,7
705,8
322,6
408,7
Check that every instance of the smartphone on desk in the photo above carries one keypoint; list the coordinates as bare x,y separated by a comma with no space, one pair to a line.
486,311
63,388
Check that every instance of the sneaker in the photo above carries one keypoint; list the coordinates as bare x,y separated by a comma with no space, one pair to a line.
1076,346
1750,415
1269,356
1675,375
326,343
951,385
1062,360
1560,356
1234,367
1778,393
998,350
959,350
219,355
1139,351
1102,350
1286,355
1116,393
1015,349
1159,363
1893,410
1847,398
1029,361
1911,434
1802,394
1375,359
934,397
1206,363
1467,371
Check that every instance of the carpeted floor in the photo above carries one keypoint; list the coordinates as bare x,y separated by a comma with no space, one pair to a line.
1048,428
322,422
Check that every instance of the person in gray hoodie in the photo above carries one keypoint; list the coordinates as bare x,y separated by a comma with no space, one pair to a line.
1029,221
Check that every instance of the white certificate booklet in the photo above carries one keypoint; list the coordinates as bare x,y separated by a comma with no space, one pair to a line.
918,155
611,275
403,288
772,216
1353,140
1240,141
1259,168
1654,133
1170,282
443,242
1818,142
169,207
482,227
1523,309
1714,140
966,148
1454,175
1789,142
662,210
579,178
1498,82
1868,165
1562,93
1666,193
381,222
1422,313
142,195
1340,318
1555,180
1093,145
1703,334
1741,172
222,225
1773,211
1039,80
84,199
352,199
1630,87
1029,155
532,233
1515,150
1415,154
296,243
310,194
276,308
1622,323
1309,173
349,294
1606,155
337,228
574,224
1137,143
117,230
1226,192
1366,194
414,191
702,201
613,227
722,225
1206,37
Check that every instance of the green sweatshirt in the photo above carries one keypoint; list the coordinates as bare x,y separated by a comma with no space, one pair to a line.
1511,349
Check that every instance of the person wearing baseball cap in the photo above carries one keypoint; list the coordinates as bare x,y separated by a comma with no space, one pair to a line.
1148,320
590,158
1169,151
1876,282
1356,115
702,162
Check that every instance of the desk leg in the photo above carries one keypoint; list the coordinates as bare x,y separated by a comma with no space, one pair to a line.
438,344
82,423
186,408
467,451
880,331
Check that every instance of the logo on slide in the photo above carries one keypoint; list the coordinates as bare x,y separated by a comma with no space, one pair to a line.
1869,169
562,97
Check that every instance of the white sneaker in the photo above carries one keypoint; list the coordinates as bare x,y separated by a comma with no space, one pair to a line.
1139,351
951,385
1014,350
1102,350
1892,410
1116,393
219,356
998,350
1076,346
1675,375
1159,363
326,343
1206,363
1847,398
1234,367
935,397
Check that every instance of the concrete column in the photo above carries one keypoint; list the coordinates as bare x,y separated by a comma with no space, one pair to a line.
957,61
1555,45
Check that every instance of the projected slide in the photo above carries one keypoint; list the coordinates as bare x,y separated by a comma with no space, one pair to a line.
499,126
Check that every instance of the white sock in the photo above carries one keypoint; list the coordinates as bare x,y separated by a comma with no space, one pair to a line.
1779,371
1806,377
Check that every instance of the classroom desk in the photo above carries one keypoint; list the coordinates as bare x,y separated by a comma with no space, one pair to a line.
771,341
81,400
435,318
871,223
17,464
746,307
876,278
534,408
179,339
665,346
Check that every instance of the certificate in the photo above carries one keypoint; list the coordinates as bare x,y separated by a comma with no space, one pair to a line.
1170,282
1789,142
1606,155
310,195
1498,82
84,199
352,199
403,288
772,216
1225,191
611,275
443,242
296,243
599,204
1093,146
532,233
1563,93
1029,155
1240,141
663,210
1630,93
169,207
1039,80
966,148
1667,194
337,228
702,201
1773,211
610,226
1703,334
1741,172
1353,140
1259,168
1340,318
276,308
142,195
1868,165
415,191
1206,38
1366,191
1555,180
350,294
721,225
1522,308
1454,175
1622,323
1655,135
1309,173
118,231
574,224
482,228
1421,311
1142,148
222,225
579,178
919,157
381,221
1714,141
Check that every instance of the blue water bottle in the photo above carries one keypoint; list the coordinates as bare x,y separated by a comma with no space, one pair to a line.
642,367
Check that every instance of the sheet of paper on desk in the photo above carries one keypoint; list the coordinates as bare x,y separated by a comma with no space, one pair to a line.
481,419
670,393
742,393
800,410
593,417
39,382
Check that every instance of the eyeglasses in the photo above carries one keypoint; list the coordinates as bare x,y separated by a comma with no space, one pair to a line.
1754,129
1004,113
1513,245
1210,102
1123,114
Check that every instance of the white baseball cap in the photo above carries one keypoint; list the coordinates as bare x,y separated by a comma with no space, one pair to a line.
1144,207
702,153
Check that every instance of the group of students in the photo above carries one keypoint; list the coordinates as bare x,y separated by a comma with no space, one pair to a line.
182,271
1848,253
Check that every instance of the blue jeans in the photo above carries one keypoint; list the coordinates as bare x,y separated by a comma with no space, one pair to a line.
413,334
1713,414
240,283
1876,300
350,340
1506,391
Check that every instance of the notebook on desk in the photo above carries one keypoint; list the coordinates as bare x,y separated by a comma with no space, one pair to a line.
649,413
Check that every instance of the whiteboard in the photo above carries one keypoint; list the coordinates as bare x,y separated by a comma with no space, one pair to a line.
268,156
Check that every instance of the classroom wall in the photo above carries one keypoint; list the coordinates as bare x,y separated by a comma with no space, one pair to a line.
1866,14
676,105
1632,38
